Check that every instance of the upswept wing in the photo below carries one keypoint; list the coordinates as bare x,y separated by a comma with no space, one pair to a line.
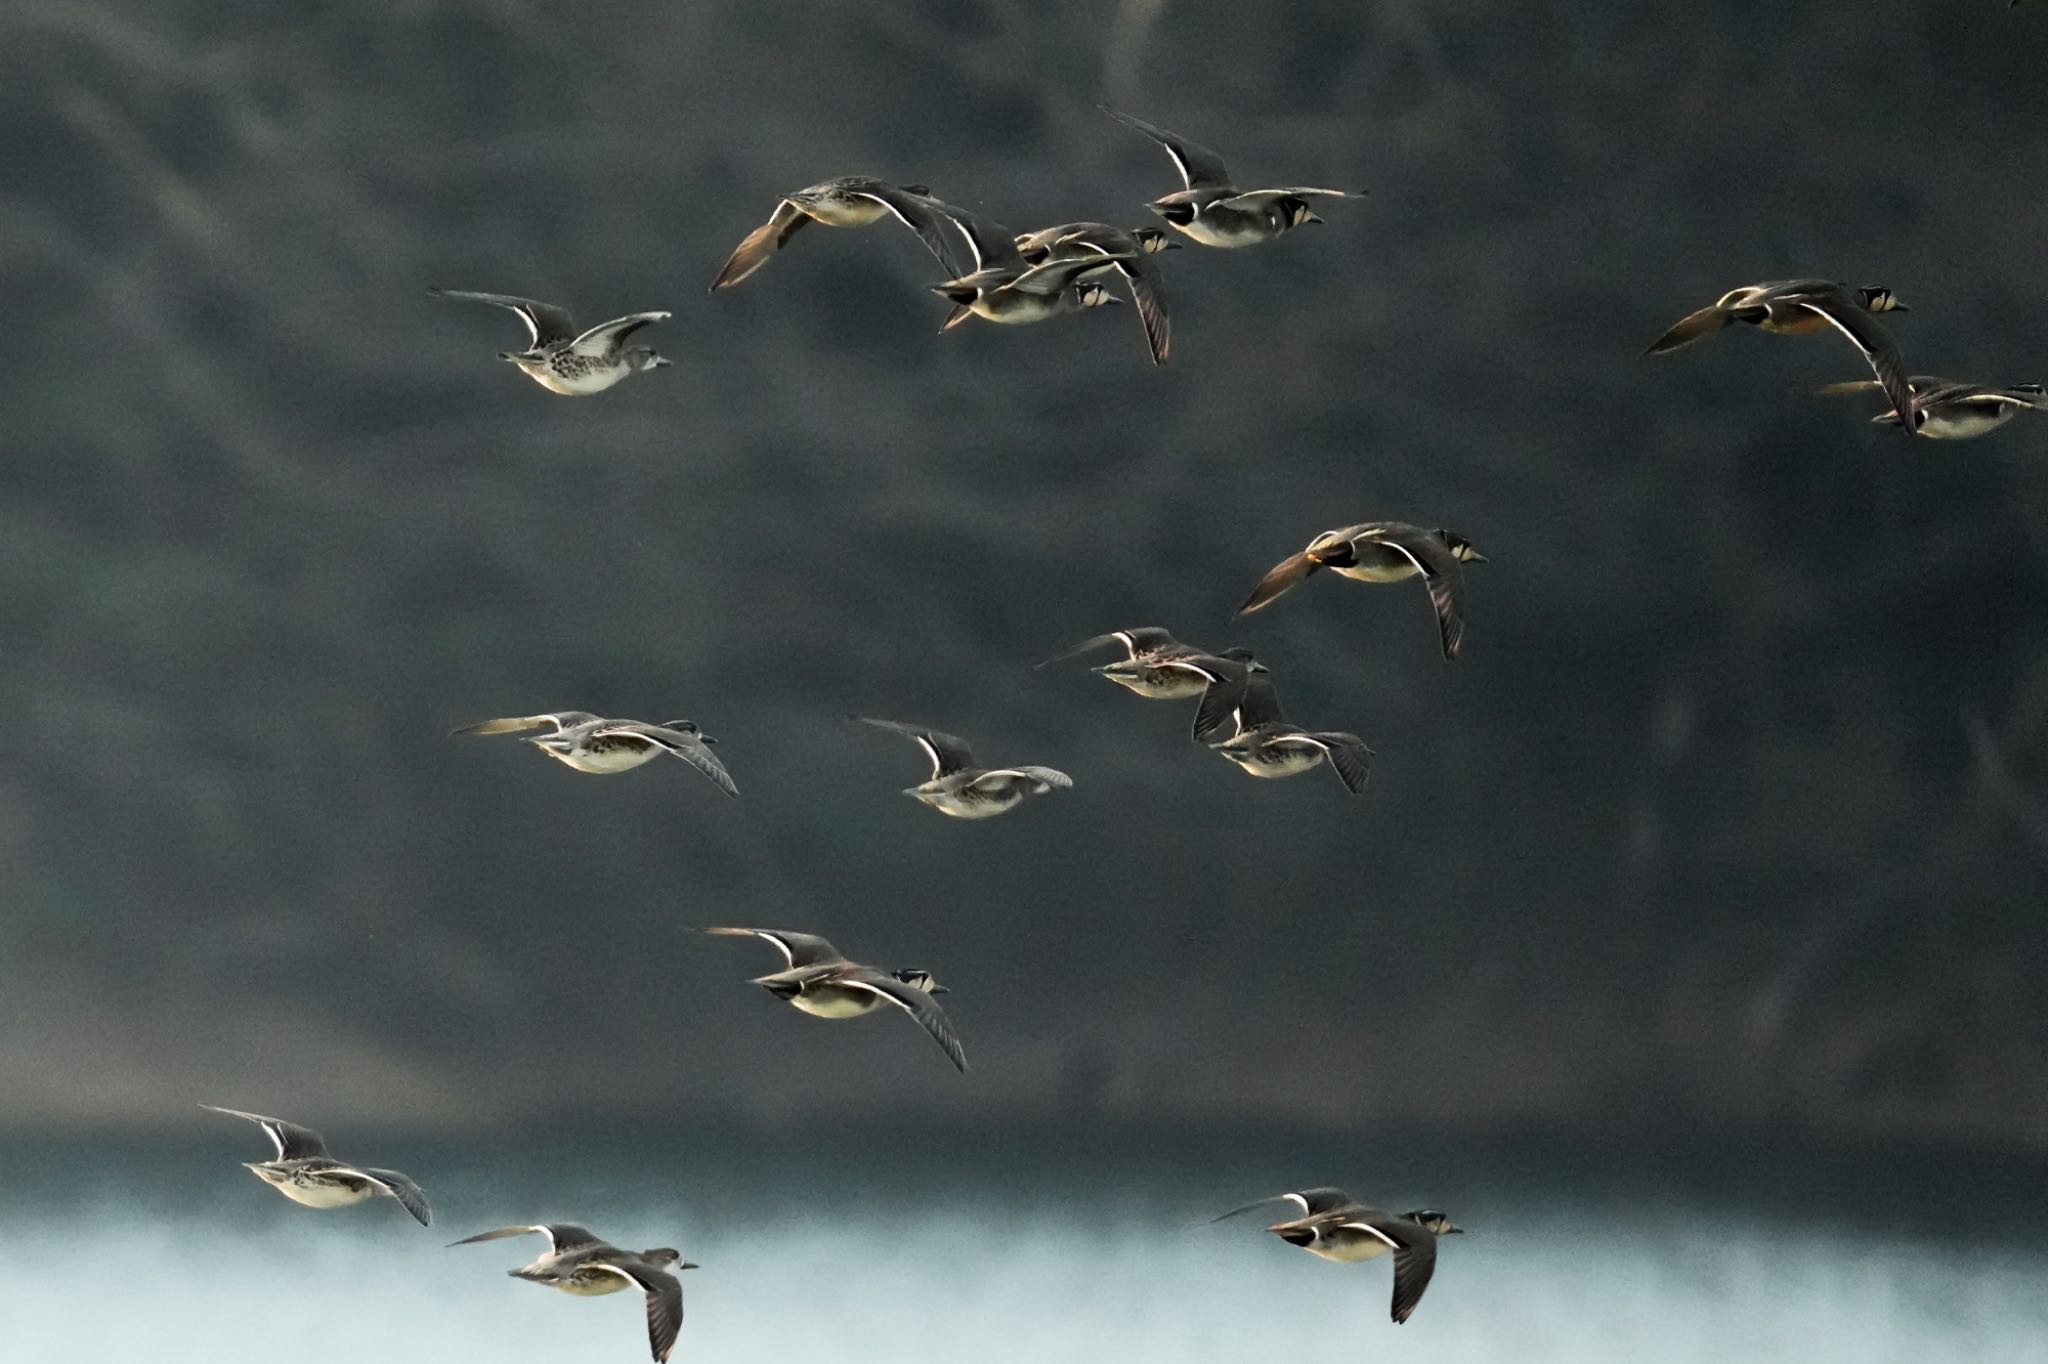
1199,167
292,1141
949,753
545,323
1143,639
798,949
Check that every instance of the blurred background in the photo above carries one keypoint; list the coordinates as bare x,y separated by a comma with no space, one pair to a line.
1699,904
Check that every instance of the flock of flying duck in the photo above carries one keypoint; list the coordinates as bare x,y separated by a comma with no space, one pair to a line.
1031,277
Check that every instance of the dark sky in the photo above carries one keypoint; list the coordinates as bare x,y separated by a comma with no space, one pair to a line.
1732,815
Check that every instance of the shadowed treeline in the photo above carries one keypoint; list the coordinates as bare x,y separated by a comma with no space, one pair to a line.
1732,815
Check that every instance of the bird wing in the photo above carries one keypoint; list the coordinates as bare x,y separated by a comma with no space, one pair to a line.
798,949
1349,756
513,724
401,1187
1874,343
1043,777
689,747
1281,578
1148,295
1199,167
921,215
293,1142
757,246
992,243
1226,683
1058,275
949,752
1414,1257
664,1303
1143,639
602,342
919,1004
1441,573
545,323
1692,327
562,1236
1259,704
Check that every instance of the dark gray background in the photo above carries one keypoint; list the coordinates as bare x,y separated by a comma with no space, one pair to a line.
1729,822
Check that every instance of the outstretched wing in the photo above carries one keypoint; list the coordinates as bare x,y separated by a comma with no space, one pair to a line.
689,747
514,724
757,246
1143,639
293,1142
1199,167
993,244
545,323
664,1304
1059,275
602,342
1042,779
1690,328
949,752
798,949
1348,755
562,1236
1414,1257
1875,344
1226,682
1441,573
921,215
401,1187
919,1004
1281,578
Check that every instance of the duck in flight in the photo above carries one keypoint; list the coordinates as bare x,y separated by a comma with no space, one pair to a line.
577,1262
1947,410
1133,248
590,744
1265,744
1384,552
562,359
1338,1227
1210,209
1161,668
850,201
960,787
1798,306
305,1173
823,983
1004,287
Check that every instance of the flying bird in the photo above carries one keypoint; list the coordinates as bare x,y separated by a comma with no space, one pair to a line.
1161,668
850,201
961,788
1337,1227
305,1173
589,744
1213,211
1384,552
822,982
1947,410
1795,307
577,1262
560,358
1004,287
1141,274
1265,744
